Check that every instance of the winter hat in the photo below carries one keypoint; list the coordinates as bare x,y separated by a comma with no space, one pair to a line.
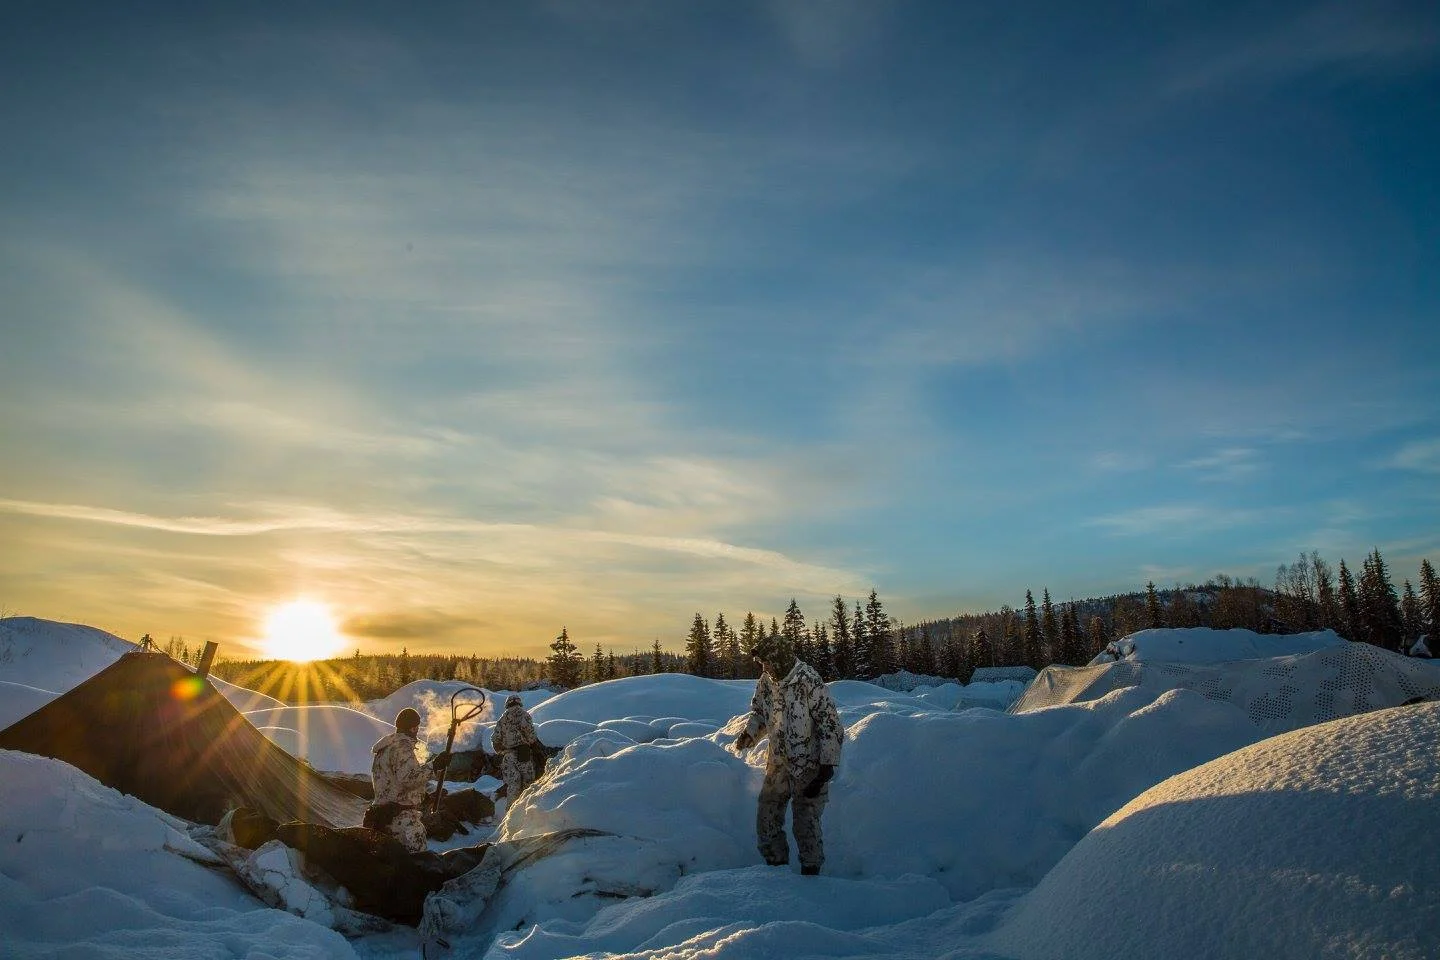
406,719
514,701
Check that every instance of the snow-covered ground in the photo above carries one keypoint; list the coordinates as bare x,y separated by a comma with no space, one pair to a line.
1202,645
1143,823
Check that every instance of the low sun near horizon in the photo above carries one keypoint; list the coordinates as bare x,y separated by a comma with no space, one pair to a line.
301,630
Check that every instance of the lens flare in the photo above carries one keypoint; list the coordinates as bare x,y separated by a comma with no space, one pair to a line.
187,688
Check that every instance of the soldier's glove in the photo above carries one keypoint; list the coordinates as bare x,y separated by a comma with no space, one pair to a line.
827,770
744,741
441,759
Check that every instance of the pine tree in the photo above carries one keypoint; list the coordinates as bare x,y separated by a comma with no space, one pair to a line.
612,671
1430,606
1049,628
697,648
597,665
878,637
1030,653
1350,621
564,663
1154,613
843,646
1411,621
657,659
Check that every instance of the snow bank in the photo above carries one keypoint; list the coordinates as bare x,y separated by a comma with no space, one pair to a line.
675,696
1204,645
1320,842
332,739
87,871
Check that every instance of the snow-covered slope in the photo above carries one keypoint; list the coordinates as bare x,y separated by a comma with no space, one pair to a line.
1320,842
331,738
88,872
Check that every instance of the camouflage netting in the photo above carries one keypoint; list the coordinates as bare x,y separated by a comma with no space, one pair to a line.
147,726
1278,694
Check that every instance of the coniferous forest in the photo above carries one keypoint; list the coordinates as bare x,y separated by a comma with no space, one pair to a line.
858,639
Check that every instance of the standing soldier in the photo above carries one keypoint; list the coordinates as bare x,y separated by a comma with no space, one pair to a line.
798,714
514,738
399,777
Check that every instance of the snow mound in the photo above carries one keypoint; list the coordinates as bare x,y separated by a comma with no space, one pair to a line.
557,733
675,696
329,738
88,871
708,913
1204,645
1319,842
1279,694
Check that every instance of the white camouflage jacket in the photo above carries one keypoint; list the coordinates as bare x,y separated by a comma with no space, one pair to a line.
799,716
397,772
513,729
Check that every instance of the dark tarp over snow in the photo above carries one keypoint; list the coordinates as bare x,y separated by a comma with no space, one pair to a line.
149,727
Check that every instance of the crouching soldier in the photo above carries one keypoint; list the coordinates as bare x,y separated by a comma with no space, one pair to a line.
399,777
798,714
519,747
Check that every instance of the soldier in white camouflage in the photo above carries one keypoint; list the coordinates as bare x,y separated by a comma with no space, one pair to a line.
799,717
399,776
515,740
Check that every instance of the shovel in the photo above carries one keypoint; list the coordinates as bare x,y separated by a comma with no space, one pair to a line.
459,713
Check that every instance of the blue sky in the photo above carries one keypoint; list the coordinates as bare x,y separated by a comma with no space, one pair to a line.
479,319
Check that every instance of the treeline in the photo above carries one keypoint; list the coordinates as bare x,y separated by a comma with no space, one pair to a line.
855,640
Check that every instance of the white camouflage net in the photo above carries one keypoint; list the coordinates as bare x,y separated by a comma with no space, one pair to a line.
1278,694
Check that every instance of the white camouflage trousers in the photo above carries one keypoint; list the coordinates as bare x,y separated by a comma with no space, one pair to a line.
517,775
777,792
408,828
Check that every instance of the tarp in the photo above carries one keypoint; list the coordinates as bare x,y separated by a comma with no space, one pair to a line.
147,726
1277,693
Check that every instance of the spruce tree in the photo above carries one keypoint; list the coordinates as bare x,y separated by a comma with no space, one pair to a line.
1030,653
1154,613
1350,621
793,630
924,652
1411,622
1069,652
824,661
842,644
1430,606
697,648
1049,628
982,651
1096,636
751,633
862,645
564,663
878,637
597,665
657,658
1379,604
1327,605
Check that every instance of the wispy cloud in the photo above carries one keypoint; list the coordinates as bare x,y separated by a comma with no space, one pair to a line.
1120,461
1420,455
1176,518
1229,464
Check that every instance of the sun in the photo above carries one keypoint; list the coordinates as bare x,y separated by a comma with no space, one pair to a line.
301,630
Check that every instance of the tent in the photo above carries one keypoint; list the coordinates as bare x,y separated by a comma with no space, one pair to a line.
148,726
